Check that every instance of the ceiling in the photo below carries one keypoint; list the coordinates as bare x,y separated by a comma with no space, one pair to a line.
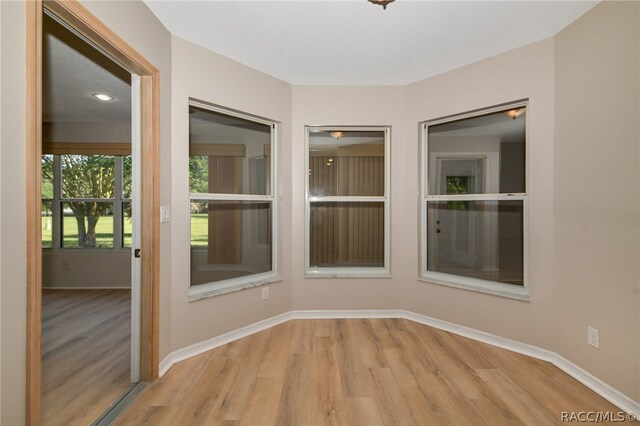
349,42
353,42
73,71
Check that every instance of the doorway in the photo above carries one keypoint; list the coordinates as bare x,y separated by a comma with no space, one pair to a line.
456,242
75,17
90,197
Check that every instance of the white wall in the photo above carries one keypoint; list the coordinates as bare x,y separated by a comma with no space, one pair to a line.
86,132
597,185
86,269
207,76
13,219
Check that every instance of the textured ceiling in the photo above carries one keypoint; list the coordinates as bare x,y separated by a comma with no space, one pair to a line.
353,42
72,71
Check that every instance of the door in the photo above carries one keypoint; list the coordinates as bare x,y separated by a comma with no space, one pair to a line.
136,264
456,222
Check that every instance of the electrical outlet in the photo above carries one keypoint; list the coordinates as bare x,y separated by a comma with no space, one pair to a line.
593,337
66,265
265,293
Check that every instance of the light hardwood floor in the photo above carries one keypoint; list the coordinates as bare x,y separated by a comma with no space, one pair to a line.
85,353
360,372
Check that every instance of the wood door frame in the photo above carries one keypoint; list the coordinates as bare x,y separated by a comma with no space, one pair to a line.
73,13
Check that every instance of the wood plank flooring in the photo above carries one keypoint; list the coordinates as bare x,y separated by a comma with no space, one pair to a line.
85,353
360,372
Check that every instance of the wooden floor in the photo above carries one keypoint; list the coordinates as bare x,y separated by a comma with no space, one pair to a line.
85,353
360,372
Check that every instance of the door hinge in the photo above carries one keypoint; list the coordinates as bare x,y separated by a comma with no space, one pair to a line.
136,253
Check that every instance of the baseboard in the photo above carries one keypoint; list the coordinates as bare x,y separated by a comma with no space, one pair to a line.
207,345
612,395
346,314
598,386
482,336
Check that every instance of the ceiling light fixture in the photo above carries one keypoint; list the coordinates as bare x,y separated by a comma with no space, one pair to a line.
514,113
103,96
336,134
382,3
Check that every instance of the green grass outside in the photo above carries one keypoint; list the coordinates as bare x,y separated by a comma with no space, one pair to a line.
199,229
104,231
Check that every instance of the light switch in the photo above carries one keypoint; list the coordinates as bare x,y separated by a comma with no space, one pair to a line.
165,214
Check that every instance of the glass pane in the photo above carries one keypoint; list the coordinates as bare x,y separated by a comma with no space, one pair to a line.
347,235
47,176
47,224
88,176
477,239
478,155
127,224
126,176
87,224
346,163
229,239
228,155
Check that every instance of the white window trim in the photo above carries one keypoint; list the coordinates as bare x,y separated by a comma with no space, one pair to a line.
58,200
458,281
350,272
206,290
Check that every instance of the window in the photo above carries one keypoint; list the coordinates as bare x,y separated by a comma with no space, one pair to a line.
232,200
347,201
474,200
84,205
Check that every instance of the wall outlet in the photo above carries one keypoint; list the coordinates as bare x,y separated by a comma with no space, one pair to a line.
66,265
265,293
593,337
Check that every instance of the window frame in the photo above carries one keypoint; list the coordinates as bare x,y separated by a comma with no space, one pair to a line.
58,200
520,292
215,288
349,272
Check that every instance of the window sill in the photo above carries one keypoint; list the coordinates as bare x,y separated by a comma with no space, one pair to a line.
347,273
509,291
205,291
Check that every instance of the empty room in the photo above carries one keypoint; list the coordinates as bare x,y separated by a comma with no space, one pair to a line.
348,212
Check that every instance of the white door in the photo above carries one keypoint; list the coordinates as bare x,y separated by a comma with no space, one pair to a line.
136,120
457,222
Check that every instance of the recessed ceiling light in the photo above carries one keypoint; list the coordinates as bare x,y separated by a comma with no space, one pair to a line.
103,97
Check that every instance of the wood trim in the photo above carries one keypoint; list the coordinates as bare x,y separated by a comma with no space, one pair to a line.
218,150
33,119
86,148
73,13
150,97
